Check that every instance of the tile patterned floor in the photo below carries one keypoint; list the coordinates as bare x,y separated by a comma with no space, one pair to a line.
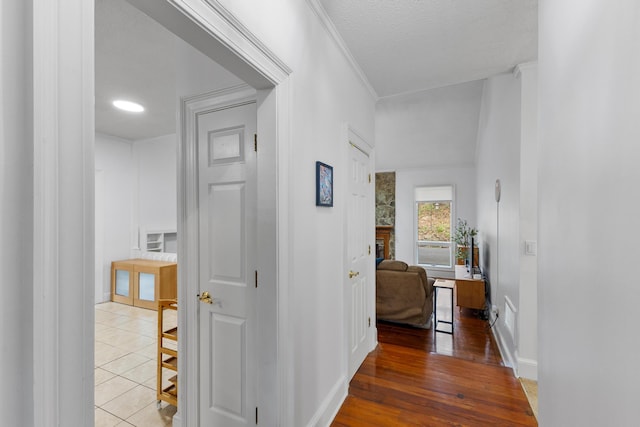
125,367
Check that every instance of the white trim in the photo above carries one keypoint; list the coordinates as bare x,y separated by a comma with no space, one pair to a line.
64,175
518,69
284,241
507,357
330,405
228,38
45,229
527,368
326,22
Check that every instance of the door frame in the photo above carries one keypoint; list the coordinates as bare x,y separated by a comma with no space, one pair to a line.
64,175
352,137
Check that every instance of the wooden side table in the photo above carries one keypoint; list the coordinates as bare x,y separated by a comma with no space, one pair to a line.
439,284
470,292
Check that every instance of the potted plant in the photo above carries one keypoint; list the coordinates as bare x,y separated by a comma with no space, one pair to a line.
463,233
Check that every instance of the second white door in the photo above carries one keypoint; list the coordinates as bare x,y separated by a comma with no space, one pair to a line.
358,293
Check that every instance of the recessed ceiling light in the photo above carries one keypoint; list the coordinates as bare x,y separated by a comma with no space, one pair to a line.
132,107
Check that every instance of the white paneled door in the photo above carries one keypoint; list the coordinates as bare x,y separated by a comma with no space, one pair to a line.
227,212
358,256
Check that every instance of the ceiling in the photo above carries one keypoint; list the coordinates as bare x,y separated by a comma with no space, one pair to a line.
135,60
402,46
409,45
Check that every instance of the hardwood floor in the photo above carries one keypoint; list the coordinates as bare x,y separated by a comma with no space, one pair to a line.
417,377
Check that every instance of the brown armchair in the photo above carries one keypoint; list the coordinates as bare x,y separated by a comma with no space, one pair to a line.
404,294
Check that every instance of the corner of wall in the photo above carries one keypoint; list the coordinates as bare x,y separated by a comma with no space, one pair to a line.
330,404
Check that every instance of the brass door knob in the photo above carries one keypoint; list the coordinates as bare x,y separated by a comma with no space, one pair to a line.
353,274
205,297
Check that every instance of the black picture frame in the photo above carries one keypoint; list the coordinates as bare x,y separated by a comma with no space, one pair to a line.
324,185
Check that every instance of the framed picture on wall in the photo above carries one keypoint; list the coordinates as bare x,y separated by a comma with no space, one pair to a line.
324,184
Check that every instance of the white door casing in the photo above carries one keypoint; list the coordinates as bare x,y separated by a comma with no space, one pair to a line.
358,283
227,219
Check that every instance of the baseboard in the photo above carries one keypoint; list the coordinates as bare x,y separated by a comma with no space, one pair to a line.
527,368
507,357
330,405
177,420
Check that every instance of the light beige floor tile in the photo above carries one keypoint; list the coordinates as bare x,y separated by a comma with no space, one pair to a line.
107,354
125,424
137,343
121,337
150,416
142,373
125,363
106,335
105,317
108,306
136,325
101,327
121,319
111,389
130,402
149,315
105,419
101,376
150,351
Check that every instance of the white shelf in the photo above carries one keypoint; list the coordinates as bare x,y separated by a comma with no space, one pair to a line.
161,241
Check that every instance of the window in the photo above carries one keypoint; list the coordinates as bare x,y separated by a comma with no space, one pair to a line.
433,226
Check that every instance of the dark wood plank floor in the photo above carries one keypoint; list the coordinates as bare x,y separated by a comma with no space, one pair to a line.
417,377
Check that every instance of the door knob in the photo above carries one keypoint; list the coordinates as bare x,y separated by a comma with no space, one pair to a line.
353,274
205,297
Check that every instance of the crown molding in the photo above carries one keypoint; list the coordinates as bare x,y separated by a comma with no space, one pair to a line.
321,13
518,69
281,70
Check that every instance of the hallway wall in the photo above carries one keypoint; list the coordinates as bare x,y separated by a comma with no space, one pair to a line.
326,93
589,93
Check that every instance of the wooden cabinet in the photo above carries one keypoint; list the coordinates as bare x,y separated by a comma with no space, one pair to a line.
167,353
142,282
470,292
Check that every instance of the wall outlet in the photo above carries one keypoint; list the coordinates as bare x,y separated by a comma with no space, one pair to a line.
495,310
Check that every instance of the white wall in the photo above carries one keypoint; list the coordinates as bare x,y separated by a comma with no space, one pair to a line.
156,195
430,128
16,214
463,179
113,157
197,74
499,225
589,80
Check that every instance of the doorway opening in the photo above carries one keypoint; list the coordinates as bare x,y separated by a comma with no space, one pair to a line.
137,210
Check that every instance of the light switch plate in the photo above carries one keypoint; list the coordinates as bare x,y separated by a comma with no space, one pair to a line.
530,247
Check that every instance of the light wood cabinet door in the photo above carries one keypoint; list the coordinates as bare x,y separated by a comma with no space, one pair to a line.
149,281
